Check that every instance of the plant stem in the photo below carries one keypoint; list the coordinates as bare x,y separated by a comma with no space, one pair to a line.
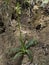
21,38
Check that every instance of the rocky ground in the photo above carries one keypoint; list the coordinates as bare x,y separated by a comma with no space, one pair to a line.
35,27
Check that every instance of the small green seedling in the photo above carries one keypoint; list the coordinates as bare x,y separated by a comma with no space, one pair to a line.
24,49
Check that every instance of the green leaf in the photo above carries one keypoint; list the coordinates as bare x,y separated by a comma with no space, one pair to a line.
27,1
29,54
31,42
14,50
18,8
18,55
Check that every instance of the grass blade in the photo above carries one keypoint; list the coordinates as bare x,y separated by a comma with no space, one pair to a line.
29,54
18,55
14,50
32,42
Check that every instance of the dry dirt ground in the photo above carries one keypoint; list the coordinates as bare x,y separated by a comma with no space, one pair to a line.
9,39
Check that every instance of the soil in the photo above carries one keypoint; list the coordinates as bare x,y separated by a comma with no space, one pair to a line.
34,27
